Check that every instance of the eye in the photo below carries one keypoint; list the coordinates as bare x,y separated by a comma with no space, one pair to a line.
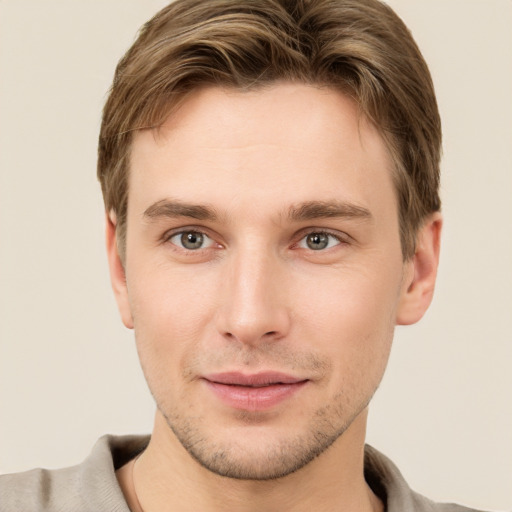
191,240
318,241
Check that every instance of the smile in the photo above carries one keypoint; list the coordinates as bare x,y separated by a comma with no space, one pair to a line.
253,392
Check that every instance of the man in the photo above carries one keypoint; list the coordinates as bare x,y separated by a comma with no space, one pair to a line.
270,172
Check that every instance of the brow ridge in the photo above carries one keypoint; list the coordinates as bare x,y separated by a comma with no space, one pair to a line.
174,208
327,209
309,210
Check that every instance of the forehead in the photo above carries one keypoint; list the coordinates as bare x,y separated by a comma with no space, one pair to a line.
281,144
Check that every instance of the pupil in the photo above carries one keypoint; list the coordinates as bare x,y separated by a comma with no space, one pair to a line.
192,240
317,241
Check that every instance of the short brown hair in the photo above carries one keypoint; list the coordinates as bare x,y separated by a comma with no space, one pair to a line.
360,47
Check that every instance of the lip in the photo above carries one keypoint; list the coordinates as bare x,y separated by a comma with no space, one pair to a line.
255,392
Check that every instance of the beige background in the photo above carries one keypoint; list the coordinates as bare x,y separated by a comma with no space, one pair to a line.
68,369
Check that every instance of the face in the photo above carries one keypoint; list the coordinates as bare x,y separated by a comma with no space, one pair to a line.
264,273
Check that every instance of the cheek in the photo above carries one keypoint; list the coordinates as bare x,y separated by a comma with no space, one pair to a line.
171,310
351,320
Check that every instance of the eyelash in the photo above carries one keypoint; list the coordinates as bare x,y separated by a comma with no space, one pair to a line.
167,237
336,236
192,231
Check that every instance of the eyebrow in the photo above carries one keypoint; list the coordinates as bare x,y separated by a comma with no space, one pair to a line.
172,208
327,209
309,210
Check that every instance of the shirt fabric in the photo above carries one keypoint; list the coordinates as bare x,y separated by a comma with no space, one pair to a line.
92,485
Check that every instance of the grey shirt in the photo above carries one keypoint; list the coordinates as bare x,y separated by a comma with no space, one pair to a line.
92,485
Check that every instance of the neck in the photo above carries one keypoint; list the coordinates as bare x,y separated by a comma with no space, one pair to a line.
166,478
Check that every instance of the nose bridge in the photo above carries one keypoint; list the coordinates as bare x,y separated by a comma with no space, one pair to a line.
253,307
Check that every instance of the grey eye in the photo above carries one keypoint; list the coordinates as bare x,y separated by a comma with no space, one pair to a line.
191,240
317,241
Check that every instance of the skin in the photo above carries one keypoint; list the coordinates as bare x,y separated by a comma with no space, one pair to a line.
274,165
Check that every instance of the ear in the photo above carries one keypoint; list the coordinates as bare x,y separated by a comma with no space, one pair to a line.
117,272
420,273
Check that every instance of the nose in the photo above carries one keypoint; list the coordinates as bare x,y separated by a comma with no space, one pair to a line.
254,299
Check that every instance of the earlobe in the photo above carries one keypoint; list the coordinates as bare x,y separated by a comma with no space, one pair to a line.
117,271
420,273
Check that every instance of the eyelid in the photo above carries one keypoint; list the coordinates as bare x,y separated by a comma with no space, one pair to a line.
166,237
206,240
341,237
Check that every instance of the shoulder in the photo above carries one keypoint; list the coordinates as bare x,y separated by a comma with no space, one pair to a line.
388,483
426,505
39,489
87,487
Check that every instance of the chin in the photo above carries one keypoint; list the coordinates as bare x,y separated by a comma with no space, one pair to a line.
256,451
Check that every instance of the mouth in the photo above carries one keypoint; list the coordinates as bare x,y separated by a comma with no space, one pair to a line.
254,392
